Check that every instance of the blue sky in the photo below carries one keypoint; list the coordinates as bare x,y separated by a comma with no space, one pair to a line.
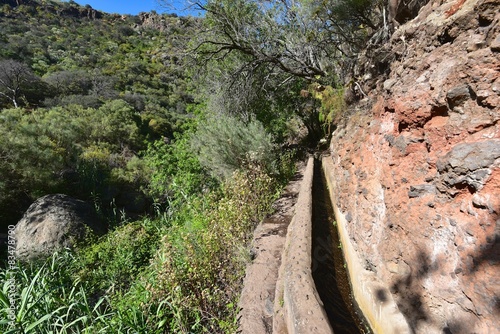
135,6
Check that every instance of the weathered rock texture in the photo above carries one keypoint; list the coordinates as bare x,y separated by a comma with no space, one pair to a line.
372,296
53,222
418,169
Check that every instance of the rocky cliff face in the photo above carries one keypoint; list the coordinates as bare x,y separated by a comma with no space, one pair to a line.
418,169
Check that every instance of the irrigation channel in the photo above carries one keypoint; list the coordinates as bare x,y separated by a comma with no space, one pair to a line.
328,269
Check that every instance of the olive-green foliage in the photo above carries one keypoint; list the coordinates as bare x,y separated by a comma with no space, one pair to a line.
115,124
121,114
112,263
176,171
19,86
314,40
202,260
161,123
225,144
90,144
40,150
109,285
81,292
74,52
259,57
332,105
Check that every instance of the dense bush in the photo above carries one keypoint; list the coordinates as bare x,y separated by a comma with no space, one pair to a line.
109,285
201,263
69,149
332,105
224,144
176,173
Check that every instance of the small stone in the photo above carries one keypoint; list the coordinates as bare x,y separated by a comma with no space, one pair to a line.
495,87
389,83
481,202
495,44
483,94
476,42
458,95
420,190
471,212
393,267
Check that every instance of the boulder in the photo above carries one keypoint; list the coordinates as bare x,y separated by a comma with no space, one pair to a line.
53,222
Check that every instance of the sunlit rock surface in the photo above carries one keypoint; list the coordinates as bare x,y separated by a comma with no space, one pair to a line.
417,169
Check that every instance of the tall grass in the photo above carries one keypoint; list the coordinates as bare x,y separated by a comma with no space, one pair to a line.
45,299
181,274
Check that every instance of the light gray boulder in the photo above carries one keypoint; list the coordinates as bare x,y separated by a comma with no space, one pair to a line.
53,222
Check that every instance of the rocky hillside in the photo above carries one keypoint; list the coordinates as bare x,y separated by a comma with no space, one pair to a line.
69,58
418,168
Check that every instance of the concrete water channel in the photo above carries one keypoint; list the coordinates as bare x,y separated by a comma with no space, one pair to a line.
311,279
329,269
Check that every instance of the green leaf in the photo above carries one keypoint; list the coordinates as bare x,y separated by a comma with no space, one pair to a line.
38,322
26,295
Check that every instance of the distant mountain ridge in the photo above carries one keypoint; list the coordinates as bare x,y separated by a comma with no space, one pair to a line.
61,8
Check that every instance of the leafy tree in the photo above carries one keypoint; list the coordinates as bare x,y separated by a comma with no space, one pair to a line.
307,39
70,82
257,56
273,33
116,126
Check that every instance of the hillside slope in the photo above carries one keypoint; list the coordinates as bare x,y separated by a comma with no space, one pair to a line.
75,61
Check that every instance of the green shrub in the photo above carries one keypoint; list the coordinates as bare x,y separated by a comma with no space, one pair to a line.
201,263
224,144
113,262
77,151
175,171
332,107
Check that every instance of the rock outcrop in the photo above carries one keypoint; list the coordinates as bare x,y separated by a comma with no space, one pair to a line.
417,169
53,222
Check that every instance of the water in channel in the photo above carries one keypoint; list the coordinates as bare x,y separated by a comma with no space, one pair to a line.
329,272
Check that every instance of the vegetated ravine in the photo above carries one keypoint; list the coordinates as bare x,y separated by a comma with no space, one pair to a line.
329,273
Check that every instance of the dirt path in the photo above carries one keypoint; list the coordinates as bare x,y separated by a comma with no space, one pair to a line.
257,297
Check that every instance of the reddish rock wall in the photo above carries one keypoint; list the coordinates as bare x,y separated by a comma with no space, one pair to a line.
418,170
